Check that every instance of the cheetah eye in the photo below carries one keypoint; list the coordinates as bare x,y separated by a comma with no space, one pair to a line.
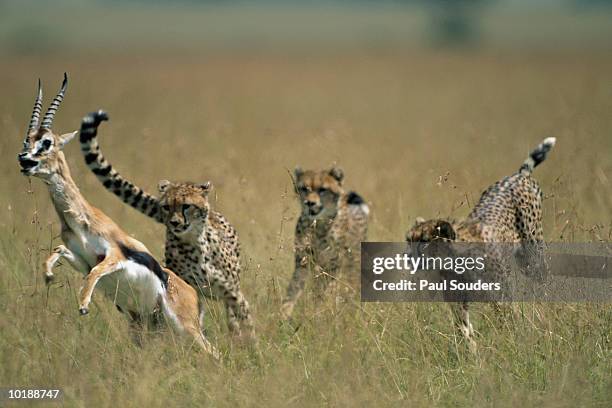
185,207
166,207
302,189
322,190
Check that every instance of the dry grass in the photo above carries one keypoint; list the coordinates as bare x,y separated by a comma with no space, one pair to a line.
417,134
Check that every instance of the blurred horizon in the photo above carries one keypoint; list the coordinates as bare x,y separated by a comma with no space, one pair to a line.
198,26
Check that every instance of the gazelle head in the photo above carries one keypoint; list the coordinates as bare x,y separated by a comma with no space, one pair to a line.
41,153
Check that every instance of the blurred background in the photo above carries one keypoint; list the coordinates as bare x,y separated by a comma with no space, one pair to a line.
31,27
423,104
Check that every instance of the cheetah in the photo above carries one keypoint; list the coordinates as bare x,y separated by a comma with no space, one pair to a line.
328,233
201,245
509,211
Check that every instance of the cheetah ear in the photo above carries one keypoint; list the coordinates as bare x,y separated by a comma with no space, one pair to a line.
445,230
163,185
337,173
297,172
206,187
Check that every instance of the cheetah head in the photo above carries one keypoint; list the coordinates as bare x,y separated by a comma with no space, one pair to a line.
184,206
319,191
431,230
431,238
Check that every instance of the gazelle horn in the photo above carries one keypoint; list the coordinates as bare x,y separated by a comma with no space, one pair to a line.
37,109
48,119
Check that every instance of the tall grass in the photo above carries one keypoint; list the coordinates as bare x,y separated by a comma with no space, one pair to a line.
418,134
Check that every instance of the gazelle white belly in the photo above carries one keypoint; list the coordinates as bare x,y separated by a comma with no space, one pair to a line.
133,287
89,248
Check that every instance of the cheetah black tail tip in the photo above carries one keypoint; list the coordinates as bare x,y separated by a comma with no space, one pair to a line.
538,155
99,116
89,125
355,199
95,118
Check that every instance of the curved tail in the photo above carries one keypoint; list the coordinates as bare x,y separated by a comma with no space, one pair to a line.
537,156
108,176
355,199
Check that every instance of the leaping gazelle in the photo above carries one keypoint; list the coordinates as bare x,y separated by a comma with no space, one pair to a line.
95,245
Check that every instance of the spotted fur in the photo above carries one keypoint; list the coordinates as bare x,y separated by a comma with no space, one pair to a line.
509,211
329,231
201,245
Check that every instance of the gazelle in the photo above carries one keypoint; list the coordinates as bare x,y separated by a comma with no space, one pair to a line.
95,245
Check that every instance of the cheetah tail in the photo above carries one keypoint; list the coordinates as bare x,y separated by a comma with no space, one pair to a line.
356,200
538,155
107,175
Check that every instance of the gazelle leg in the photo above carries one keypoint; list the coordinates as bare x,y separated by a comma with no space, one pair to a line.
202,315
106,267
196,332
62,252
181,307
137,326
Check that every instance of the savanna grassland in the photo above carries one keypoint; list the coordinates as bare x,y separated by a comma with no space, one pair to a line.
418,133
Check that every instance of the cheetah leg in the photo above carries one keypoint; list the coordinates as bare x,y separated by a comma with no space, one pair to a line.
296,286
236,306
531,259
220,289
506,312
322,280
238,314
326,276
232,319
530,255
462,320
325,282
61,252
243,313
352,258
